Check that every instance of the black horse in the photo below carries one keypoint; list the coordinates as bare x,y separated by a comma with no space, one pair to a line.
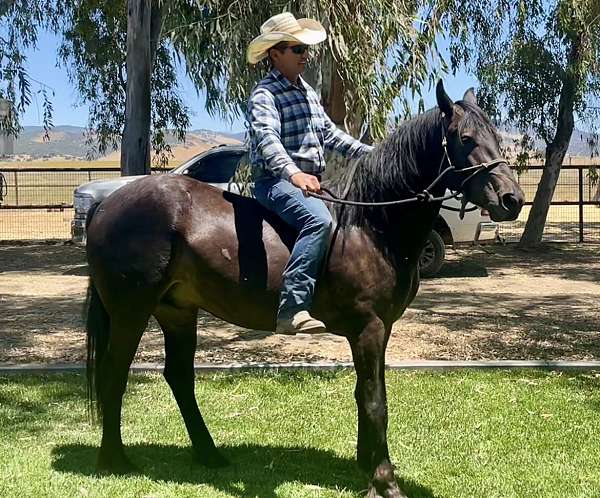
169,245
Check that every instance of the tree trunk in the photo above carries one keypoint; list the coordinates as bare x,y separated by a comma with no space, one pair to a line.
144,22
332,99
313,75
555,152
596,197
332,92
156,24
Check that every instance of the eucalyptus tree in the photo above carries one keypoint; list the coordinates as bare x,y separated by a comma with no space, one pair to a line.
20,24
210,39
93,49
361,70
538,63
376,51
126,71
144,23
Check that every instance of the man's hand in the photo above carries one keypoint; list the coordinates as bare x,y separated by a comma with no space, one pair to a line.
305,182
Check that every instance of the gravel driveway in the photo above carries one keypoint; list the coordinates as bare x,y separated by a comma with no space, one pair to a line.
497,303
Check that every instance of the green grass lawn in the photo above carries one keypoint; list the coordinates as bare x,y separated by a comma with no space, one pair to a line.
460,434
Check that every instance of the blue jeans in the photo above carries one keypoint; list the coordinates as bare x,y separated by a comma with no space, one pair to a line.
312,219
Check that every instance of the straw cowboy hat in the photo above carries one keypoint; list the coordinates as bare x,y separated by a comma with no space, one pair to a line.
284,27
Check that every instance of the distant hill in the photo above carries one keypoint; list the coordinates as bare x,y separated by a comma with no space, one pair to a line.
68,142
65,141
579,143
577,147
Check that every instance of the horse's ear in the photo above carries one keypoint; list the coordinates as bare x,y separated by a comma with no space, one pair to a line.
470,96
444,102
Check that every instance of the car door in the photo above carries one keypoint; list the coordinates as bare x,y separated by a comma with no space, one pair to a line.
217,167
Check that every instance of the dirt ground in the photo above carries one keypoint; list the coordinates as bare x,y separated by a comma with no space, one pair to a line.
492,303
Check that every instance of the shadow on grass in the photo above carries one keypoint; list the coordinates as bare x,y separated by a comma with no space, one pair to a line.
255,471
586,383
29,402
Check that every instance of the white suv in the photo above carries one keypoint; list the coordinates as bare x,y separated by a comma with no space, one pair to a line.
218,165
475,228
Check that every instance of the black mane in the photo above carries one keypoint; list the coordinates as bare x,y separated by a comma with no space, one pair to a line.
403,164
475,118
399,167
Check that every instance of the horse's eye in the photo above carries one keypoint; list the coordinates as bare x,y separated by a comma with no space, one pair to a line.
467,140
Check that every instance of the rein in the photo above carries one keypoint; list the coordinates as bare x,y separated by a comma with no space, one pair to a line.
423,196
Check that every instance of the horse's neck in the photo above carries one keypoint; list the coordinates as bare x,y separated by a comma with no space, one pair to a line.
427,158
402,166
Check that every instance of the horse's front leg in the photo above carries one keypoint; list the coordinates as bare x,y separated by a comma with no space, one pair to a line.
368,351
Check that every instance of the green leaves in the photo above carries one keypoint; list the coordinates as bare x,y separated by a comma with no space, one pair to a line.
527,55
538,65
363,39
210,38
20,22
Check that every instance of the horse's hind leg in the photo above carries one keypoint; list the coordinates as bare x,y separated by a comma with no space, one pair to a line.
126,329
179,328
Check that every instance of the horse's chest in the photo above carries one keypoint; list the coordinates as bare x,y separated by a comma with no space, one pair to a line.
406,289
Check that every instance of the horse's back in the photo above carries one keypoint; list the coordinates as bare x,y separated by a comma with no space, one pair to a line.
164,230
175,239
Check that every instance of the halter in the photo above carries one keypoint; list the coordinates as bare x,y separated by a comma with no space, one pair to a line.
475,169
425,195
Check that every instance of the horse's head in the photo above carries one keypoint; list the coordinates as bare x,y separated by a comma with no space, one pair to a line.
482,175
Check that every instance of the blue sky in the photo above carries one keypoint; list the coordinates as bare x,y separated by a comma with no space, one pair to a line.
68,109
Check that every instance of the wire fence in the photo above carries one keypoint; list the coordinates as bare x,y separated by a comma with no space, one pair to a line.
38,203
574,214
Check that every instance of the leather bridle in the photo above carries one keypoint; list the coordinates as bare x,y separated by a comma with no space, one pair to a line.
425,195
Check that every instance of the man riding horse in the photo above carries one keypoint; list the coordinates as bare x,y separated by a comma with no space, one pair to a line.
288,131
168,245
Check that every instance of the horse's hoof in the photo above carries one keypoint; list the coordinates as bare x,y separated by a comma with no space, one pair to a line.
388,493
383,484
115,466
212,459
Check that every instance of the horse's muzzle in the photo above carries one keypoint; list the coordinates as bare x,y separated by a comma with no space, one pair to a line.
509,205
512,204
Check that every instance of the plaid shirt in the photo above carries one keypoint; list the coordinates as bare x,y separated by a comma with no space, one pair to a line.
289,128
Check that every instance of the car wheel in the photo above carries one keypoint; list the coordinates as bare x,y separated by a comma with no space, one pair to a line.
433,255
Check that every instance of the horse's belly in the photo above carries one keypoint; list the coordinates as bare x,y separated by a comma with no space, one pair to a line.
237,282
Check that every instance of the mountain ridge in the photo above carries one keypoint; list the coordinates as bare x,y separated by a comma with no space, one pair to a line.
68,143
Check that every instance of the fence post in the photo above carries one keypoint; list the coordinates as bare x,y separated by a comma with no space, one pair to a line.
16,189
581,204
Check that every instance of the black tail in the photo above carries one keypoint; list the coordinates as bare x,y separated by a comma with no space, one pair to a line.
97,325
90,214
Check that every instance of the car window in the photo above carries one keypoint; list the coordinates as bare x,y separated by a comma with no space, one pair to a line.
216,168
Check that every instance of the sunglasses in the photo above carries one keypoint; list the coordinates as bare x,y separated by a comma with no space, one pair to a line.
299,49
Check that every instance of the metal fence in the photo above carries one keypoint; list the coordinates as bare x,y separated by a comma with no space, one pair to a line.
39,203
574,214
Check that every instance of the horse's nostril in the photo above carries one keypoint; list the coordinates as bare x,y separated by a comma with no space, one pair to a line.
511,202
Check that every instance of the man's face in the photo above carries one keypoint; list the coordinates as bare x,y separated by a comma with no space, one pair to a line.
291,60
